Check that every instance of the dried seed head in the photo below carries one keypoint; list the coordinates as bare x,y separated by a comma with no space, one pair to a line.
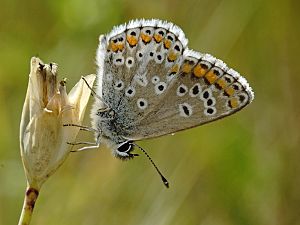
43,139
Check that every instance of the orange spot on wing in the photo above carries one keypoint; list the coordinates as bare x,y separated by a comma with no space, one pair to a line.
175,68
186,68
229,91
146,38
211,77
121,46
233,103
114,47
167,43
199,71
132,40
221,83
172,56
158,37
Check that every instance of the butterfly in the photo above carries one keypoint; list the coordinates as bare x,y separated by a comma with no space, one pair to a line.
149,84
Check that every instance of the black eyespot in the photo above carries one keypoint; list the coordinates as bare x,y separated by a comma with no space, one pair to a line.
218,86
118,60
216,72
129,61
115,41
242,98
132,33
119,85
195,90
142,103
161,33
205,94
190,62
182,90
209,102
204,66
140,55
130,91
186,110
148,31
151,54
177,48
170,38
121,39
235,87
227,79
161,87
159,57
210,111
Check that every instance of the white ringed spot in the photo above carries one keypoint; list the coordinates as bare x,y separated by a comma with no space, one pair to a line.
210,111
119,85
139,55
160,88
185,110
195,90
159,58
130,92
118,60
209,102
206,94
155,79
142,103
181,90
129,62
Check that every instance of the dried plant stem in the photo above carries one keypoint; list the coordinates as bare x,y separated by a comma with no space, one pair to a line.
31,196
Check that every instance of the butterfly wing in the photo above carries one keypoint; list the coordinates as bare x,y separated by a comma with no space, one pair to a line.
157,86
204,90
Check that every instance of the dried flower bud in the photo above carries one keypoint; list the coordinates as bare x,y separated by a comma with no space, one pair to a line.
43,139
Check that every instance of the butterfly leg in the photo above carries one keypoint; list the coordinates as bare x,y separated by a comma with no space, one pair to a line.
85,128
92,144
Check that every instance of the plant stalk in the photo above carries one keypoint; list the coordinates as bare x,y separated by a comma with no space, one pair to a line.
31,196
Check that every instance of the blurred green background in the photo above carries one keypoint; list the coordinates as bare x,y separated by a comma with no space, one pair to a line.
240,170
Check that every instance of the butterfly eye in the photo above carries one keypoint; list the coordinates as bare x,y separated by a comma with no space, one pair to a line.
125,147
123,150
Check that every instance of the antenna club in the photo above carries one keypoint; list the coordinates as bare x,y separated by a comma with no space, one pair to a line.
164,180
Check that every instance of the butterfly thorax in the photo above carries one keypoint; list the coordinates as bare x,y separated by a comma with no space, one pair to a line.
110,130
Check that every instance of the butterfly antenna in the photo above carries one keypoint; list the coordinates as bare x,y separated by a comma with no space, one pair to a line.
165,181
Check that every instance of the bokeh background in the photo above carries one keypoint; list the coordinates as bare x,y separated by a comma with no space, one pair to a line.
240,170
